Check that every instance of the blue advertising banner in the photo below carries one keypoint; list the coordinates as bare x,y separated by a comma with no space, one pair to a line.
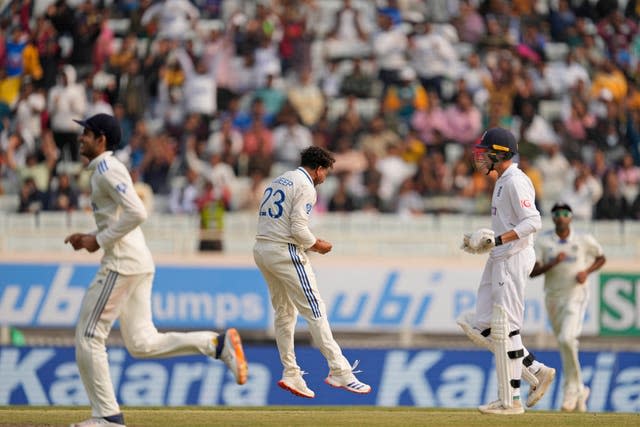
425,378
38,295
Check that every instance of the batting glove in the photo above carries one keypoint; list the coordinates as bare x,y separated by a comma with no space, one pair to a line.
465,244
482,240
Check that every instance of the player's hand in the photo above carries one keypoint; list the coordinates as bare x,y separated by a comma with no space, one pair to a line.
482,240
561,257
74,240
83,241
581,277
321,246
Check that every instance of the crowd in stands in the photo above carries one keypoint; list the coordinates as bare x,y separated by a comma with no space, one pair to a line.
215,97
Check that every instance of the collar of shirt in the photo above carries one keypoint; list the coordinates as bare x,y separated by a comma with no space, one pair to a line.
301,169
568,239
510,170
94,163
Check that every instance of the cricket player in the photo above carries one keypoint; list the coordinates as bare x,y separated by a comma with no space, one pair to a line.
566,258
282,241
499,311
122,286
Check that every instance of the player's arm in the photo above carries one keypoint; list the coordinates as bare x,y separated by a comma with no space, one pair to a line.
301,209
522,199
117,183
541,268
593,248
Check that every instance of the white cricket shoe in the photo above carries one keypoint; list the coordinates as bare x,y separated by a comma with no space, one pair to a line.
348,381
297,386
545,377
497,408
232,355
569,402
582,399
97,422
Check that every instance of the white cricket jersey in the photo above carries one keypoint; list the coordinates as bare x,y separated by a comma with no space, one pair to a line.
118,212
580,248
513,208
284,212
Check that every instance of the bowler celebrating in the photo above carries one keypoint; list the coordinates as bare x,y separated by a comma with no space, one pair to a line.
282,240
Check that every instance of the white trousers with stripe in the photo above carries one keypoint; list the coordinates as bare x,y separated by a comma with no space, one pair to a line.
109,297
292,286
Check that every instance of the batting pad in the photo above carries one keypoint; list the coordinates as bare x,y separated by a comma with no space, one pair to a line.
466,320
508,352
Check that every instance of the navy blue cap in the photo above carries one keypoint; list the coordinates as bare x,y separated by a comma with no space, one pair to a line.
499,140
104,124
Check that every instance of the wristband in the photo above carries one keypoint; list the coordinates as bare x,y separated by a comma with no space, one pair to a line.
498,240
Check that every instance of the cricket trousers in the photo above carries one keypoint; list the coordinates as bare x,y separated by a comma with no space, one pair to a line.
566,313
128,297
292,286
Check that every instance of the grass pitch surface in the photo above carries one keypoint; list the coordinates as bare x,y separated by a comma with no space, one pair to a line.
309,416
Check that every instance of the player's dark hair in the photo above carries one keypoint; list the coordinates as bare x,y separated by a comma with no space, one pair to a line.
314,157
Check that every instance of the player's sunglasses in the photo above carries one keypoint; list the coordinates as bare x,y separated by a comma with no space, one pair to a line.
562,213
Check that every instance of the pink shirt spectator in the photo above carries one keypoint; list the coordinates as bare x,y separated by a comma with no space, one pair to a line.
427,123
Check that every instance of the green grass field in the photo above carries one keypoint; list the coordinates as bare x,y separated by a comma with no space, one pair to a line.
309,416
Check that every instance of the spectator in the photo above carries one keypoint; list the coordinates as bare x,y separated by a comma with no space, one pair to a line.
86,31
629,178
28,114
289,139
155,164
469,23
342,200
295,44
307,99
199,86
554,167
349,34
431,124
357,82
393,172
390,46
214,171
175,18
67,101
582,193
272,98
378,137
464,121
613,204
99,104
62,196
182,199
227,141
404,98
432,56
409,202
32,200
330,80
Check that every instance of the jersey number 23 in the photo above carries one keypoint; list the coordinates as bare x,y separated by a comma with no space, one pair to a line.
272,201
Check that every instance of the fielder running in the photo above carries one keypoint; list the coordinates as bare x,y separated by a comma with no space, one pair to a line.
499,313
282,240
566,258
122,287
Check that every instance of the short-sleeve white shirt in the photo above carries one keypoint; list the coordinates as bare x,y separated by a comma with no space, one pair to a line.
580,248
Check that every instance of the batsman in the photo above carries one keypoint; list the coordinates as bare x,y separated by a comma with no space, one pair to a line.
499,313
